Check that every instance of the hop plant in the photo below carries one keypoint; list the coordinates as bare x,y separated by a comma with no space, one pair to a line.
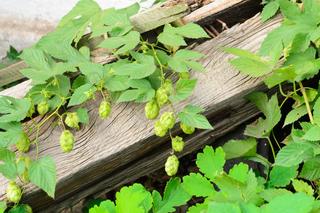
159,129
23,143
104,109
43,107
152,110
72,120
187,129
168,87
13,192
167,120
172,165
66,141
25,174
177,144
32,109
184,75
162,96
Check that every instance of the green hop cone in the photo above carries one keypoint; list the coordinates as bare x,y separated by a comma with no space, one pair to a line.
159,129
26,160
72,120
13,192
167,120
23,143
104,109
168,87
184,75
172,165
32,109
66,141
43,107
187,129
177,144
162,96
151,110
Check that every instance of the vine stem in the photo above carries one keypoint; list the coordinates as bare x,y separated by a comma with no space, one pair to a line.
305,97
272,149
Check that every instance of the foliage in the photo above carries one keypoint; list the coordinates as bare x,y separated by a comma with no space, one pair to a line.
64,77
238,190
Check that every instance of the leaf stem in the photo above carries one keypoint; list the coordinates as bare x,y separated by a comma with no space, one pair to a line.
305,97
272,149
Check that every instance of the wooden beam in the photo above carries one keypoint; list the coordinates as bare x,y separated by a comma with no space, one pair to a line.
109,152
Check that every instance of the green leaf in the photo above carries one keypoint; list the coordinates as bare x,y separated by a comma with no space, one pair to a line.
104,207
142,91
224,207
281,176
301,186
183,60
13,109
174,196
270,194
211,162
313,134
184,88
249,63
3,206
42,173
280,75
81,94
93,72
197,185
83,115
271,111
311,169
122,44
239,172
288,203
295,115
269,10
191,117
240,148
143,66
198,208
140,199
11,133
173,36
8,166
316,111
293,154
117,83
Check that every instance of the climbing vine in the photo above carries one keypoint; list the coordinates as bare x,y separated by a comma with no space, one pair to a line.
64,77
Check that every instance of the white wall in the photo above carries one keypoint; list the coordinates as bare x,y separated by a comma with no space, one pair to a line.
23,22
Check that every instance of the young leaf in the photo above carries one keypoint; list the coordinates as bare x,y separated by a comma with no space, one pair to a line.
301,186
140,199
269,10
191,117
42,173
240,148
211,162
313,134
123,44
271,111
105,206
183,60
197,185
184,88
239,172
281,176
174,195
13,109
280,75
270,194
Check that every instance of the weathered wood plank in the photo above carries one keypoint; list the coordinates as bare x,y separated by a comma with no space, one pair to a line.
106,149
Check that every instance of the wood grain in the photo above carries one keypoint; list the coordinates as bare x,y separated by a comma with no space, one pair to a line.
109,152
